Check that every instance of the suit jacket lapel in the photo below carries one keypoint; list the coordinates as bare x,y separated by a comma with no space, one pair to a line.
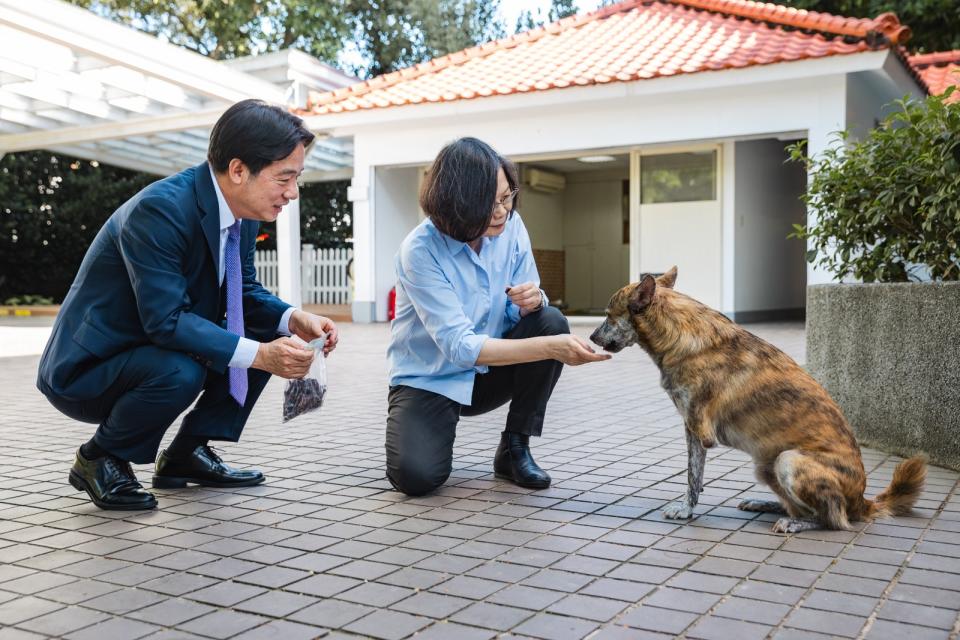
209,214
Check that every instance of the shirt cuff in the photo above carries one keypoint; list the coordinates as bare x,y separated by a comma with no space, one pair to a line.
284,327
244,354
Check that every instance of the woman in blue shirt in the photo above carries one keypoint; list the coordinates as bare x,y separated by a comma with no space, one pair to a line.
472,329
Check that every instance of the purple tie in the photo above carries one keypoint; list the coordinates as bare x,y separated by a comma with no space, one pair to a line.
231,261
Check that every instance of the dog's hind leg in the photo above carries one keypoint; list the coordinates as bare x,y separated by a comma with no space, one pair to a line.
696,458
813,494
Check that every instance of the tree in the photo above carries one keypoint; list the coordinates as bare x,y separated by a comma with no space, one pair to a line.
52,207
935,23
888,206
559,9
222,30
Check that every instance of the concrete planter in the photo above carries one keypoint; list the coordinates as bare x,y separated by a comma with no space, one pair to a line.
889,354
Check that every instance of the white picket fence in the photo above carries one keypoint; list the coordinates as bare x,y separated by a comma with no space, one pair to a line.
323,274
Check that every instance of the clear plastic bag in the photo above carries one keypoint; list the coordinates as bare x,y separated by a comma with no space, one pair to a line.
306,394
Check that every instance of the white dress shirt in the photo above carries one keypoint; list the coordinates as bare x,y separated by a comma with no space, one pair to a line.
246,350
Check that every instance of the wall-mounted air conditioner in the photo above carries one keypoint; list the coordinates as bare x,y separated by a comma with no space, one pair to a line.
545,181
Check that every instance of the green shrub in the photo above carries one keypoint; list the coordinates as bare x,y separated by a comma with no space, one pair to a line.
888,207
28,299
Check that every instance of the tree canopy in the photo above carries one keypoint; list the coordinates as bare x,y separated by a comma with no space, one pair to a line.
935,23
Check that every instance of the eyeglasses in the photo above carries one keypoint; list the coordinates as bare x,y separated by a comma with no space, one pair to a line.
506,202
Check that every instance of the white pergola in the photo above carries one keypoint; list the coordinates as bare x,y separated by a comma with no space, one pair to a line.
75,83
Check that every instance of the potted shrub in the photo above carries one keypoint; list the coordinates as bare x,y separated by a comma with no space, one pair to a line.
887,347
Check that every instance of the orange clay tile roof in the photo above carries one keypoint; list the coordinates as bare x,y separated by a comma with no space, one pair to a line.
632,40
939,71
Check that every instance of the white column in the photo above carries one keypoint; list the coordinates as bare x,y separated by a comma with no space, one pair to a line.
728,226
360,193
634,260
288,253
831,118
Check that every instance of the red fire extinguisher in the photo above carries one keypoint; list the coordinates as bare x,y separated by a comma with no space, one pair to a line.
392,304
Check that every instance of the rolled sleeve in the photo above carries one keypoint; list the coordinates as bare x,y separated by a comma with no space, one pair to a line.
441,312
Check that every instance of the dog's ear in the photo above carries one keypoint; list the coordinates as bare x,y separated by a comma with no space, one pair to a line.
641,295
669,278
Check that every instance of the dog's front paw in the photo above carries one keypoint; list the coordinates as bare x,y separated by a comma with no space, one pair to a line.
677,511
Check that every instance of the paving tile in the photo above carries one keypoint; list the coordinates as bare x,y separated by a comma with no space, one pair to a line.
828,622
63,621
554,627
657,619
682,600
115,629
918,614
717,628
16,610
222,624
618,589
375,594
276,604
890,630
431,605
526,597
588,607
281,630
225,594
492,616
452,631
124,600
331,613
842,602
764,613
387,625
171,612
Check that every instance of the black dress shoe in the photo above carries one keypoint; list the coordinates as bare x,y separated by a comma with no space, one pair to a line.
203,467
110,483
514,462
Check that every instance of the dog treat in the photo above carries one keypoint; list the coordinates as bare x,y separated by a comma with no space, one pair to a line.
301,396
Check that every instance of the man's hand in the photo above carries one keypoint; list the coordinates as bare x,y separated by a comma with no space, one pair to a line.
526,296
308,326
284,357
574,350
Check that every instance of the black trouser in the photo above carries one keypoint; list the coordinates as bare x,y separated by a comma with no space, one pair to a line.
154,387
421,425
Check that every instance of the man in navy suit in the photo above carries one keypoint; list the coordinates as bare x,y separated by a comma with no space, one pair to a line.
166,307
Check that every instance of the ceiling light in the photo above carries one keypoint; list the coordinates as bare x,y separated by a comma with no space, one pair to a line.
596,159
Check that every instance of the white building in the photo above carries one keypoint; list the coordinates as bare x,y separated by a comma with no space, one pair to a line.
691,102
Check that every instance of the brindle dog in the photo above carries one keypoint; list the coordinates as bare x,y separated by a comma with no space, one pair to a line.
733,388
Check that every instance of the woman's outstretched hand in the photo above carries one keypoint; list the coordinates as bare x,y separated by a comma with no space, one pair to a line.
574,350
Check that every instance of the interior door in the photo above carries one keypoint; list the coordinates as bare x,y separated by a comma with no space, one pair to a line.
680,221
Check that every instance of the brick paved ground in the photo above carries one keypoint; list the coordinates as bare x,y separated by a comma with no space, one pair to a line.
325,548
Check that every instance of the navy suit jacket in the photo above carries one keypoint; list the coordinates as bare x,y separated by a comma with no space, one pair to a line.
151,278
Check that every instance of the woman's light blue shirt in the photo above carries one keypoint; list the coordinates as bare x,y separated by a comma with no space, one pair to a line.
450,299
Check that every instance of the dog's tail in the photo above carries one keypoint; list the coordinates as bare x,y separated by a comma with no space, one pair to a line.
898,498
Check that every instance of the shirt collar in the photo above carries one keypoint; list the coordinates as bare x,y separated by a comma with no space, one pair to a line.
226,216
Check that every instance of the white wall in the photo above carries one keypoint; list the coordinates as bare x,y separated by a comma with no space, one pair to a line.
769,269
398,212
595,255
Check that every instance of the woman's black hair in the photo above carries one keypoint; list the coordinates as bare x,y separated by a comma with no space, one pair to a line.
460,189
256,133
